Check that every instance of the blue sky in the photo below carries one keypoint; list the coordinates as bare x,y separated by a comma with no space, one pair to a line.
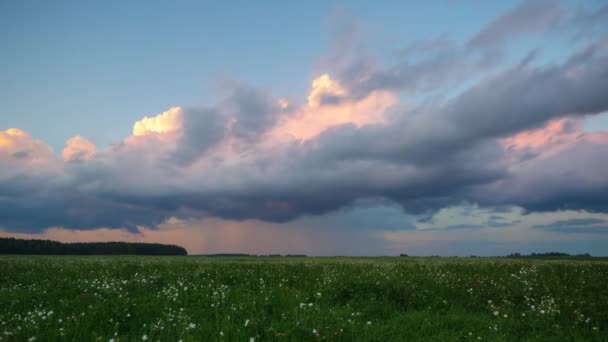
430,127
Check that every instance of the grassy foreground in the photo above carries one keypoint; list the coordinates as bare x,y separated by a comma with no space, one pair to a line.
114,298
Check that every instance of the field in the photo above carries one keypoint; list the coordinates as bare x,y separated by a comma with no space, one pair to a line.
134,298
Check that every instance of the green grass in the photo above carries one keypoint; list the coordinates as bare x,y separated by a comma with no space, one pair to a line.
68,298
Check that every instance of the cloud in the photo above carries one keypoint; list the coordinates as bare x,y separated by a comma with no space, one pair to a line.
577,226
20,148
330,106
168,121
529,17
505,138
77,149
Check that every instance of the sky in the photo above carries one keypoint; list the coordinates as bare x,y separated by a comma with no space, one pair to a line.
325,128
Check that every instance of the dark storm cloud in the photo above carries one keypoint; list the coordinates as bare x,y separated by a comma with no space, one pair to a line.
253,111
33,203
203,128
573,226
245,115
521,98
572,179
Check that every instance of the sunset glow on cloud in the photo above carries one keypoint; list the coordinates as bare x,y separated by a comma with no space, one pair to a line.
329,106
78,148
434,146
168,121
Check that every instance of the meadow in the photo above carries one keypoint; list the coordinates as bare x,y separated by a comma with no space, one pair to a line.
137,298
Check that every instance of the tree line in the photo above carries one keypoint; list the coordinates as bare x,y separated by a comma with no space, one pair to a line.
549,254
23,246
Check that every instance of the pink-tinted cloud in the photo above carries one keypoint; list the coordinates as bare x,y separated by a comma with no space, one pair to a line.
78,148
20,147
329,105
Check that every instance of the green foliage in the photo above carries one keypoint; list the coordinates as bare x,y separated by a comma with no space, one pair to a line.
135,298
48,247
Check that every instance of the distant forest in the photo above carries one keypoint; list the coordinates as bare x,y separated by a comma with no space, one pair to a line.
548,255
22,246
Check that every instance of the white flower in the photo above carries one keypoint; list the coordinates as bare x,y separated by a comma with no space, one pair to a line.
542,312
318,294
505,316
251,339
369,322
111,340
144,337
31,339
314,331
192,325
495,313
246,322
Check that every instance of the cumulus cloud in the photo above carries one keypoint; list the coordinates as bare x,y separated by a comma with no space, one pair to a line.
78,148
19,147
329,105
168,121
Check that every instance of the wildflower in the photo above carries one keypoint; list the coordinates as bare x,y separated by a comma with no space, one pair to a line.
144,337
192,325
318,294
246,322
221,333
542,312
251,339
495,313
369,322
505,316
111,340
31,339
314,331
